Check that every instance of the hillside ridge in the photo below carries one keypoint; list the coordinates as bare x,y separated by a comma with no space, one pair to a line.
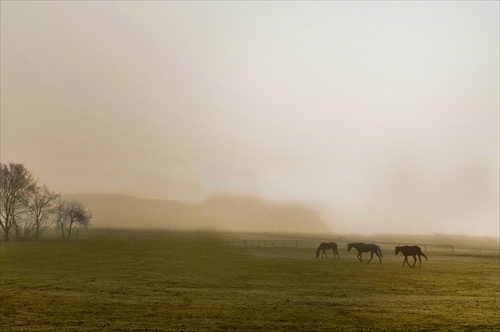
221,212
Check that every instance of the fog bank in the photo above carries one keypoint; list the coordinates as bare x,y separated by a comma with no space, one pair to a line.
381,116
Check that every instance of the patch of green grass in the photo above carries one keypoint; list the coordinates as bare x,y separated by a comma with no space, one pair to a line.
146,280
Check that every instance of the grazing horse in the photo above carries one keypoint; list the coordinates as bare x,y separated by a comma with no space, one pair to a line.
411,251
324,247
362,247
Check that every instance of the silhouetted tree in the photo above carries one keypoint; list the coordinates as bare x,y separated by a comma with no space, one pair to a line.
16,186
71,217
41,210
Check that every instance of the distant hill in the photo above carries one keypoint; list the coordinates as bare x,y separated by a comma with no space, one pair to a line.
224,213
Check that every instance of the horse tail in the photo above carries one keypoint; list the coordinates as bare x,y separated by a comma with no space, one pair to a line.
380,251
421,253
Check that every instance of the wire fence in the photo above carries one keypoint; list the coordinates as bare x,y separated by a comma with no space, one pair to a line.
384,246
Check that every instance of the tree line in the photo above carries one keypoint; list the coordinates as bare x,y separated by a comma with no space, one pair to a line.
28,208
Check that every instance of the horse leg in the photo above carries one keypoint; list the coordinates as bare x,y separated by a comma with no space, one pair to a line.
360,257
420,260
414,260
376,253
406,260
335,253
371,257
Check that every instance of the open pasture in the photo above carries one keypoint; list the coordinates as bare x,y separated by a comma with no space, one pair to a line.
191,281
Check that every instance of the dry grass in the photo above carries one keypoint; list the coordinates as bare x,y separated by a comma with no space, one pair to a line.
145,280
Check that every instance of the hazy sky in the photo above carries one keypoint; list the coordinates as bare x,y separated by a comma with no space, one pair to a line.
383,114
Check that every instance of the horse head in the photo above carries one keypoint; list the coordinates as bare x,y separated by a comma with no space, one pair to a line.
398,249
349,246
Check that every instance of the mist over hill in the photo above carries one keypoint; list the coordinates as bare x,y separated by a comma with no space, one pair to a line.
222,213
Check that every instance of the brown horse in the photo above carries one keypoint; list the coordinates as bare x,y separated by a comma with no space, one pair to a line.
411,251
326,246
362,247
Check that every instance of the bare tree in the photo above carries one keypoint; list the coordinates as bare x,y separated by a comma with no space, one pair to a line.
23,225
71,217
16,186
41,207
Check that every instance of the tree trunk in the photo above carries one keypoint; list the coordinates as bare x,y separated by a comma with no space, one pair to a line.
6,232
37,229
6,227
69,229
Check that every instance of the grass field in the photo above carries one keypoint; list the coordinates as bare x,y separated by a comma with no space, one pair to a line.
124,280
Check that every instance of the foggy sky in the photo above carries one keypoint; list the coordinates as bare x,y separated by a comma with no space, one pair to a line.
384,115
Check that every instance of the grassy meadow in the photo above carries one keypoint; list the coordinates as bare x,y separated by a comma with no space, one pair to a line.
135,280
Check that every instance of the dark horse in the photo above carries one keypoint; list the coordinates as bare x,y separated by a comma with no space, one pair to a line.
411,251
362,247
324,247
